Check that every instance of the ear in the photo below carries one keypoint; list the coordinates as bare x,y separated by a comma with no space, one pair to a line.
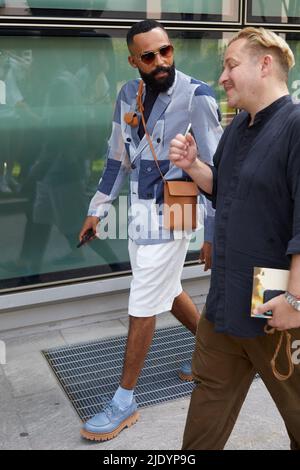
266,64
131,61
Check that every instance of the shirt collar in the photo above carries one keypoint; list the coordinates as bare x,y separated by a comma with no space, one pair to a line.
265,113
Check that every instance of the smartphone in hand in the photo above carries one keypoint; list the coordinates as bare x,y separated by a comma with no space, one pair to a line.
89,234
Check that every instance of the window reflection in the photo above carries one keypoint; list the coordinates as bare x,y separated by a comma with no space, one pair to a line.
25,7
201,10
294,75
55,113
279,11
15,7
186,10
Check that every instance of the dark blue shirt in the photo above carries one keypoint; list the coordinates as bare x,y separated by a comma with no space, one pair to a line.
256,193
148,104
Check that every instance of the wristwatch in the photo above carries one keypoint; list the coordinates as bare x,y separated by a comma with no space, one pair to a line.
293,300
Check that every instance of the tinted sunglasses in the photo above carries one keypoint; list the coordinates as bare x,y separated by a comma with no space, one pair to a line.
164,51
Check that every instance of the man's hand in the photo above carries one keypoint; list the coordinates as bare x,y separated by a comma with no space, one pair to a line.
285,317
183,151
90,222
205,255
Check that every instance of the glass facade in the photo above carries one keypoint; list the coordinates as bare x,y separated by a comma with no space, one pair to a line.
56,107
274,11
57,92
293,40
200,10
190,10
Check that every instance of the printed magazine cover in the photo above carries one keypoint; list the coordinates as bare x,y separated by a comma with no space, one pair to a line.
267,283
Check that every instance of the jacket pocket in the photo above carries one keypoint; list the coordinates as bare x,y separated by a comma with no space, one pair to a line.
150,177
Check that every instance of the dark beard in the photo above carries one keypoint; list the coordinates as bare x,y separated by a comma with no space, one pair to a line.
160,85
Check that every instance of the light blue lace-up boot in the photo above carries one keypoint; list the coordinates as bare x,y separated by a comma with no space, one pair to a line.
109,423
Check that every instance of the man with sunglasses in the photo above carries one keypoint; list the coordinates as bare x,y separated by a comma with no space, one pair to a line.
171,101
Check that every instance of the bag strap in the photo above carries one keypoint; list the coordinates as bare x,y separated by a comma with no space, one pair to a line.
285,333
141,110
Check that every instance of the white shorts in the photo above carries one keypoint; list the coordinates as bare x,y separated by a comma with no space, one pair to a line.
156,271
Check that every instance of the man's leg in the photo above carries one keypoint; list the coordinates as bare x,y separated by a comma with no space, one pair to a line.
140,334
121,412
223,374
284,393
156,273
186,312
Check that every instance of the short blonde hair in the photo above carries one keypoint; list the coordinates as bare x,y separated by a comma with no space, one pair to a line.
265,41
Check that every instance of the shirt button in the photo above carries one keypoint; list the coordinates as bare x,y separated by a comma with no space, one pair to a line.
128,139
158,141
149,169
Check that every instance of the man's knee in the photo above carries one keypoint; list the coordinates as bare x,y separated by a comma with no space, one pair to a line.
141,322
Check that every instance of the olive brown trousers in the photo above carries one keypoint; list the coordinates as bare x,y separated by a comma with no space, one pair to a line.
224,367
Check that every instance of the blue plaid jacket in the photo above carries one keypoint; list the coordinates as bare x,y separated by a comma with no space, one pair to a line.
187,101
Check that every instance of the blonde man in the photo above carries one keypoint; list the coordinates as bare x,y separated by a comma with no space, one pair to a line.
255,188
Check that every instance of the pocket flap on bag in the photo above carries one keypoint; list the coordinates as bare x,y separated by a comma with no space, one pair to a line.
182,188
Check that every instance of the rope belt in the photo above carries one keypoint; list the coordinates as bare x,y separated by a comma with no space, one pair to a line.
288,337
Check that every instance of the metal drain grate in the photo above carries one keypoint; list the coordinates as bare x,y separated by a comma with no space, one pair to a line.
89,372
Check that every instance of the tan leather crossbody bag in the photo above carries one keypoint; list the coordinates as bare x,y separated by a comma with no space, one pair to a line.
180,197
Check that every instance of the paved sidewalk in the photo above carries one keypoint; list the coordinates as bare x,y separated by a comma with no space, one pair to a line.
35,413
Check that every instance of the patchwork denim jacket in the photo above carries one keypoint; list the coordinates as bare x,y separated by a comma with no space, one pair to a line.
187,101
